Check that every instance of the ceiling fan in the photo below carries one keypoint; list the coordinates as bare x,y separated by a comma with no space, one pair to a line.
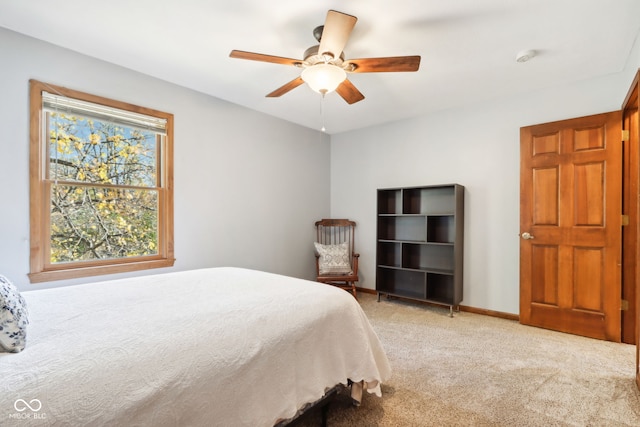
324,66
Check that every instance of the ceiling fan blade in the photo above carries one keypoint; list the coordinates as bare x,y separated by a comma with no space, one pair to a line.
336,32
349,92
286,88
239,54
378,65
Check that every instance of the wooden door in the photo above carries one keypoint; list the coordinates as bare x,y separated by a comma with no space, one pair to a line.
570,218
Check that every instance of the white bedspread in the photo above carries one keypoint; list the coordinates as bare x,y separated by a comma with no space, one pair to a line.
210,347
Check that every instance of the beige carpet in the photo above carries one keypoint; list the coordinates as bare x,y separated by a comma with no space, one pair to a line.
475,370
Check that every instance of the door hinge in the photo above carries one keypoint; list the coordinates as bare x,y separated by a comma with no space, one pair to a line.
625,220
624,305
625,135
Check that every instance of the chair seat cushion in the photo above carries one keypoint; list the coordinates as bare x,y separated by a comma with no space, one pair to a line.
334,259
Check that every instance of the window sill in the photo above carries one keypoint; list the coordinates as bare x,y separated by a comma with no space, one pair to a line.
98,270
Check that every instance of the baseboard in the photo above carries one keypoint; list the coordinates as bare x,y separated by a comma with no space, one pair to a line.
483,311
492,313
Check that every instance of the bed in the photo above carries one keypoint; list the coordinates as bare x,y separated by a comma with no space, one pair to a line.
214,347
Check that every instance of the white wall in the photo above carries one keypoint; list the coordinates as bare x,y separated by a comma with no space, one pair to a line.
476,146
248,187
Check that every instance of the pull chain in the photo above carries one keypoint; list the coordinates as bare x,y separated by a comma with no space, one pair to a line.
322,113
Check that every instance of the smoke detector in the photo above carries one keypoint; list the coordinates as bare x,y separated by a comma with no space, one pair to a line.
525,55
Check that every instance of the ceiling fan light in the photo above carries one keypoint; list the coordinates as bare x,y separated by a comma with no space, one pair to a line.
323,78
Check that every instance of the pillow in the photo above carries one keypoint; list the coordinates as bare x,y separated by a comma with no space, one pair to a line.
13,318
334,259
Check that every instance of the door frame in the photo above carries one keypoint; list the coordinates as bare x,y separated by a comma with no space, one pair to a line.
631,233
631,207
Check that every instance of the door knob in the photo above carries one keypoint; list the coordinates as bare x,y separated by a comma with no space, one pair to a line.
526,236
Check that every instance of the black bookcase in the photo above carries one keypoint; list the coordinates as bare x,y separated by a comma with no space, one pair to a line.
420,243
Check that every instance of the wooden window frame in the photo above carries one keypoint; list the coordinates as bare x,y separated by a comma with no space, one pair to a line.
41,269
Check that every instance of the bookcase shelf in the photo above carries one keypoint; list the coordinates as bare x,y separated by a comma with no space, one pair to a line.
420,239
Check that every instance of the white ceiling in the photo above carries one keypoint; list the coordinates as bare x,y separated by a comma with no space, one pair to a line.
468,47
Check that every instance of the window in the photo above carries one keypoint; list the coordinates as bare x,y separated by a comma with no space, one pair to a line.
101,183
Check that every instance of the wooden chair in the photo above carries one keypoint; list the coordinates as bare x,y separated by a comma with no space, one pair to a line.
336,259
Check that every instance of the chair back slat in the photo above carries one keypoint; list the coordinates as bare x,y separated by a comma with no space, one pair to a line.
336,231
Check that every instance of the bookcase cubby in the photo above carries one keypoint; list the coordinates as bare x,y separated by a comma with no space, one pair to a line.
420,242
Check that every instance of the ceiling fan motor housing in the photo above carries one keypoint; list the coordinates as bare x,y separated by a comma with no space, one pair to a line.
312,57
317,32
